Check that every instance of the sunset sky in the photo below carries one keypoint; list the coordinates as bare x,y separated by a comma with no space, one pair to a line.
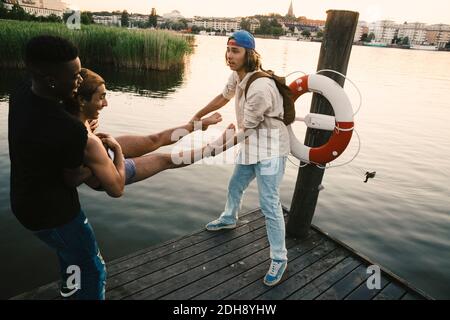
432,11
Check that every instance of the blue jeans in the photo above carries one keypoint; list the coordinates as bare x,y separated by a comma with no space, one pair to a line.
269,174
75,245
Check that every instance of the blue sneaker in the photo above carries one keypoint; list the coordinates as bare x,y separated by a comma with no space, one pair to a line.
275,273
219,225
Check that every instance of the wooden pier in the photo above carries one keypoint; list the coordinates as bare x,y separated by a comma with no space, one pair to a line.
230,264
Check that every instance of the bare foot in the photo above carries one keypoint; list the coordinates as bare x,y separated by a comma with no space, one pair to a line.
225,136
211,120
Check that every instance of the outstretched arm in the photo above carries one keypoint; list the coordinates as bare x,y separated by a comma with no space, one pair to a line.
215,104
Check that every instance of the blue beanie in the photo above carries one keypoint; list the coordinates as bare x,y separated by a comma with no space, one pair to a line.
243,39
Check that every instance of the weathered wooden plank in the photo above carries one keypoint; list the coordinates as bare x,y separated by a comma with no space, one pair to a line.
230,239
231,259
305,276
195,239
185,240
258,288
47,292
391,292
160,270
147,263
364,293
386,272
230,264
51,290
326,280
231,276
346,285
411,296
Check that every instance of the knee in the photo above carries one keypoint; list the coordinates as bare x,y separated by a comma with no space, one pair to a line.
272,209
235,185
235,188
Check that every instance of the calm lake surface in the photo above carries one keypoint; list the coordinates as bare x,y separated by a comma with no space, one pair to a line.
400,219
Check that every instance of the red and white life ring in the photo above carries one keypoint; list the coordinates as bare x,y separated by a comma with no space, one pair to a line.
343,129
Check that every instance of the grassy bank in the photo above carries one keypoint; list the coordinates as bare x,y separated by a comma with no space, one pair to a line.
100,45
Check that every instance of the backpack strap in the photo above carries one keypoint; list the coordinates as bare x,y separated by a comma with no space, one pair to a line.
253,77
257,75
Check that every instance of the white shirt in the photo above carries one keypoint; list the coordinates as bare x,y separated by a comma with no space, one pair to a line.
261,111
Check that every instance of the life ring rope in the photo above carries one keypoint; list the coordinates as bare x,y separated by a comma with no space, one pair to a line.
349,80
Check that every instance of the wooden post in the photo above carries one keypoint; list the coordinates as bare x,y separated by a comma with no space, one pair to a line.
335,52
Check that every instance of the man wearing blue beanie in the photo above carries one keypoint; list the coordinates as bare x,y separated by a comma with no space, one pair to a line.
264,147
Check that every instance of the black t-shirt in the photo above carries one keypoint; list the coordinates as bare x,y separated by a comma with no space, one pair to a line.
43,140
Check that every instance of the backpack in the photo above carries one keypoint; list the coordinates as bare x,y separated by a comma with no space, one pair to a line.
285,91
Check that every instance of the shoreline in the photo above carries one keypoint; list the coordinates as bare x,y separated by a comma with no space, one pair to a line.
363,44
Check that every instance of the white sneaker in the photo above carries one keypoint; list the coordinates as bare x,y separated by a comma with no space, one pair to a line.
219,225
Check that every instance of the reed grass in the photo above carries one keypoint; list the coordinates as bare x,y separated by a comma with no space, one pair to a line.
100,45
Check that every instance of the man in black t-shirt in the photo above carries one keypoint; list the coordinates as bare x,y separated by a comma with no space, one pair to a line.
44,143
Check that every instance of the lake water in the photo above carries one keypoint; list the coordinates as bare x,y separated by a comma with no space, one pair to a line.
400,219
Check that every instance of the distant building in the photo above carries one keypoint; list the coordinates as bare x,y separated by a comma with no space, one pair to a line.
39,8
296,27
227,24
361,28
137,19
311,22
108,20
115,19
384,30
153,12
8,3
160,20
290,13
254,24
415,32
418,33
437,35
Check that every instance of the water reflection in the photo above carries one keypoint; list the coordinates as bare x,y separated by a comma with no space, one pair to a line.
399,219
9,78
153,84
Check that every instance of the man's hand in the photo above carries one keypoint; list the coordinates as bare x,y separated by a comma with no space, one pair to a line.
109,141
93,124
